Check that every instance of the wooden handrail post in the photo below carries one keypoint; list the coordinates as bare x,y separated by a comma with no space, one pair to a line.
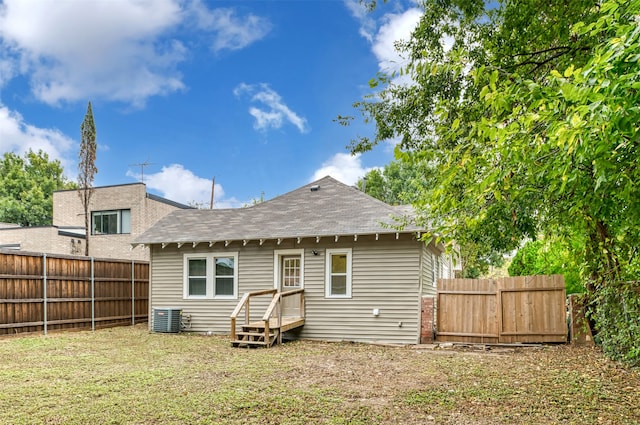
233,329
247,313
280,319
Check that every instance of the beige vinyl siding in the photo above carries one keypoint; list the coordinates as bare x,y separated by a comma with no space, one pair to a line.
428,254
255,272
385,275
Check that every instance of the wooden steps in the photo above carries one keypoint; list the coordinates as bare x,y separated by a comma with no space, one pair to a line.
253,334
269,330
250,337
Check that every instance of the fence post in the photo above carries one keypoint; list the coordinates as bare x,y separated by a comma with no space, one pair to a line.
93,298
44,291
133,292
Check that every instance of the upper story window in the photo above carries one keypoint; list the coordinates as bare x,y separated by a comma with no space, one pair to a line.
110,222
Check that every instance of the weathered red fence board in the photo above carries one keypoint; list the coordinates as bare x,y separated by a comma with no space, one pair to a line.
507,310
42,292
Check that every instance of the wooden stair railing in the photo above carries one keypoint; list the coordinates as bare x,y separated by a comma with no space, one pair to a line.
269,329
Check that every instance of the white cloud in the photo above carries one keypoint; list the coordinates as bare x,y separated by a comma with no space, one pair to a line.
77,50
7,69
181,185
232,32
359,11
18,136
384,32
396,27
344,167
272,112
122,51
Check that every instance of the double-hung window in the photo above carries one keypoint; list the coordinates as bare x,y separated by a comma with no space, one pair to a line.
110,222
211,275
196,277
224,277
338,273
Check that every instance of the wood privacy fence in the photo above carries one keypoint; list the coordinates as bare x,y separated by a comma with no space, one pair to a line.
507,310
42,292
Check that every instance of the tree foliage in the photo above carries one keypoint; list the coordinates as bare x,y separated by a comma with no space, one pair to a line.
87,167
397,183
529,116
549,256
26,188
404,182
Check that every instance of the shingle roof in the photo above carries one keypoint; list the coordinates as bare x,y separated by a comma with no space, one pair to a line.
323,208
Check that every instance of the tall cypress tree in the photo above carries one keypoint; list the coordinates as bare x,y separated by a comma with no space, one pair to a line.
87,168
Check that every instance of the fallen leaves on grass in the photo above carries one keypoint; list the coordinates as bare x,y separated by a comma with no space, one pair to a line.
131,376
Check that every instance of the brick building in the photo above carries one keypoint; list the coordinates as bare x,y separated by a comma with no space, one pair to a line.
118,215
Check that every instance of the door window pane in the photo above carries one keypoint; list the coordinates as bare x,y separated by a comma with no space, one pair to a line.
291,272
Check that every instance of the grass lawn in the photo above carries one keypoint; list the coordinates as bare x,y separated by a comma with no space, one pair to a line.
130,376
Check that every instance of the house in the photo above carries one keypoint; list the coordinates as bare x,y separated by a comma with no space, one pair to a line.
118,214
363,279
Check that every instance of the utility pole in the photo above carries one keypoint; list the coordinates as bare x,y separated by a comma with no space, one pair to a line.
213,186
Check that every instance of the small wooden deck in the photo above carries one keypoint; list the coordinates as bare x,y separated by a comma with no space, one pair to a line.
268,331
287,324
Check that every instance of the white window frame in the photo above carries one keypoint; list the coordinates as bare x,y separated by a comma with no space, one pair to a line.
327,285
210,259
119,221
185,269
277,261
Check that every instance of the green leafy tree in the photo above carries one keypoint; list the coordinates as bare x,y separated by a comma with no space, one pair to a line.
529,117
374,184
549,256
87,168
26,188
400,182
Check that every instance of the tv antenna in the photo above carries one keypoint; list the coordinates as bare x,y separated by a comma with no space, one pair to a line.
142,165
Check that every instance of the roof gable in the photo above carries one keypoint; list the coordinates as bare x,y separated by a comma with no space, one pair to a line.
322,208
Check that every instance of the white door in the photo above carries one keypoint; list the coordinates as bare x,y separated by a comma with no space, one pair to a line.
290,278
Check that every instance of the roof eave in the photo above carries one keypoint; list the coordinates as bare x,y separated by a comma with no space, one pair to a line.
336,237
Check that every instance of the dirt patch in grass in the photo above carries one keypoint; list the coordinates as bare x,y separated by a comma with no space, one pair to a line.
131,376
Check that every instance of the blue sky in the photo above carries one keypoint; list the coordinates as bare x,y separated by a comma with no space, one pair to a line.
243,91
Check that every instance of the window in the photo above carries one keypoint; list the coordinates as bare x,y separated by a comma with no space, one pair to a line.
211,275
224,276
197,277
291,272
338,273
110,222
